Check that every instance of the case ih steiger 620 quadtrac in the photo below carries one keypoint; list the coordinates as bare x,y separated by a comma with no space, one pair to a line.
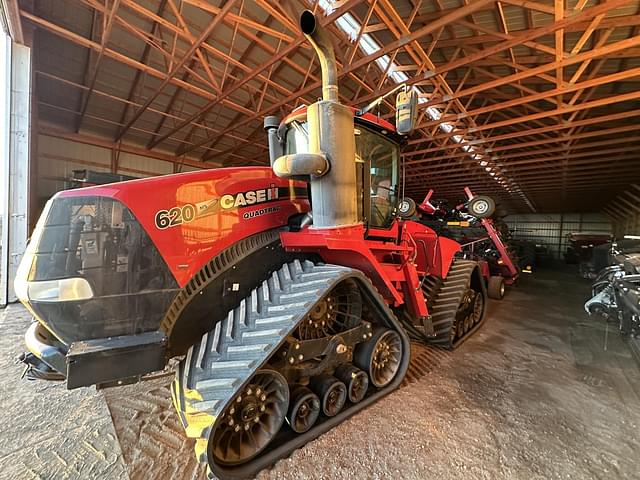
286,319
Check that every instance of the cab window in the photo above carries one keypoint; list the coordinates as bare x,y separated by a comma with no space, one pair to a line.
382,157
374,153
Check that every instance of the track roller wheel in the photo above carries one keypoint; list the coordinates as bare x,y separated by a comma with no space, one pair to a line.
468,322
337,312
495,287
356,381
380,356
478,307
304,410
332,393
252,419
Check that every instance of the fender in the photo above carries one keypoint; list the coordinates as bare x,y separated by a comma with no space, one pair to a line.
218,287
434,254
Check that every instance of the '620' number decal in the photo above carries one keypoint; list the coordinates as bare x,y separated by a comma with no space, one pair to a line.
175,216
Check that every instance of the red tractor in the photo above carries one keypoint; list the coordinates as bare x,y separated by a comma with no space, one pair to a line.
286,319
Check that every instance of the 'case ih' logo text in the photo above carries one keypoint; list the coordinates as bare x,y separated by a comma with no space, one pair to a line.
250,197
189,212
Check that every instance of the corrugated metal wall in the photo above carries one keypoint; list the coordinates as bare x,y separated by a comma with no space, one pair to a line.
629,225
58,157
551,229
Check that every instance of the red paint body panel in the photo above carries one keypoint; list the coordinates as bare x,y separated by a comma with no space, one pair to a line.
394,267
188,246
434,254
347,246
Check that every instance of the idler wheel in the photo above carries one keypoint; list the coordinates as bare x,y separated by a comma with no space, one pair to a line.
332,393
304,410
356,380
380,356
251,419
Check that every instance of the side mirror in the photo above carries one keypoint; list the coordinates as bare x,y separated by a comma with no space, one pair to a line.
406,111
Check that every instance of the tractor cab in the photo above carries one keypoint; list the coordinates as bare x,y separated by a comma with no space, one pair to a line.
377,157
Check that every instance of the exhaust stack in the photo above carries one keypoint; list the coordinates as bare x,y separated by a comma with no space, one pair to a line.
319,40
334,194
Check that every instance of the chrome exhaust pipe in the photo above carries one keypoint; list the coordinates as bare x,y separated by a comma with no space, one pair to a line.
319,39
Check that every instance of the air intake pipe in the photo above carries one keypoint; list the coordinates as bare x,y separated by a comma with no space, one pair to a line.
271,124
334,193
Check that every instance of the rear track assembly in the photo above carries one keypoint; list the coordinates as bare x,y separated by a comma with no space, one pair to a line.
457,304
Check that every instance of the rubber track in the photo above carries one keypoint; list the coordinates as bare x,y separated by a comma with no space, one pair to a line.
212,270
430,287
447,301
224,359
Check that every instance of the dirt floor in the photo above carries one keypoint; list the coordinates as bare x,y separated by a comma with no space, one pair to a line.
541,391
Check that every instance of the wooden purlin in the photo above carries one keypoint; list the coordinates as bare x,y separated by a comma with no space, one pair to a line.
185,35
396,25
178,66
119,101
143,59
561,88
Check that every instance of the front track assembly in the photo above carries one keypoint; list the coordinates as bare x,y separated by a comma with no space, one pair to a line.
310,347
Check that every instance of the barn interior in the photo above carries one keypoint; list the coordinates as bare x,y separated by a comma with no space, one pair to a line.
529,105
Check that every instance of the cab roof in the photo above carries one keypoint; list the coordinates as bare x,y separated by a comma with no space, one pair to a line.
368,119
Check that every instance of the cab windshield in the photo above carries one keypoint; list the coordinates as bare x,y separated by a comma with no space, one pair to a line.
375,154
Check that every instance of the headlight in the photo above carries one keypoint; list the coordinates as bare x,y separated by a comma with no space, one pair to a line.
63,290
20,284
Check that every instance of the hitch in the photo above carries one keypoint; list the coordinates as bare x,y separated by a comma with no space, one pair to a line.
36,369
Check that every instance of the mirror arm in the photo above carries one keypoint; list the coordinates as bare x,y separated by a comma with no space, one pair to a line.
378,101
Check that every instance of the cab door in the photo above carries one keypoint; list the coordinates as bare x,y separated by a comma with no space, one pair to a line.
377,160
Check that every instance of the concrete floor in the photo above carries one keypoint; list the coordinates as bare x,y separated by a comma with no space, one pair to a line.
541,391
46,431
